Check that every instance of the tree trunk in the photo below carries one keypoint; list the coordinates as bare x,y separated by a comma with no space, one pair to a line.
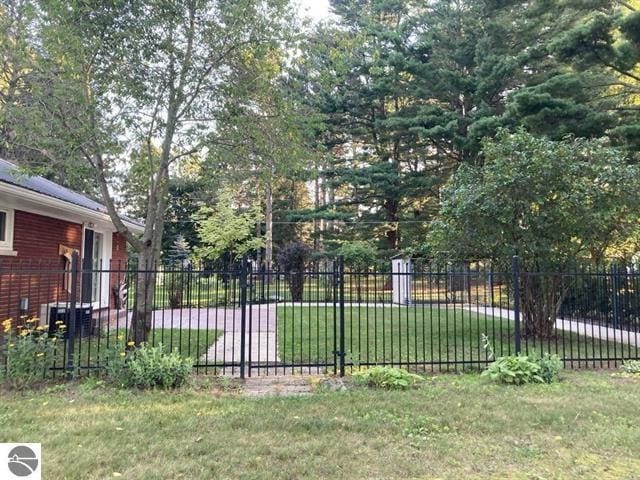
296,285
542,296
392,234
268,241
316,221
145,281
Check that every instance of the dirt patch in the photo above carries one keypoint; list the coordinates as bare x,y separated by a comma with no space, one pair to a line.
290,385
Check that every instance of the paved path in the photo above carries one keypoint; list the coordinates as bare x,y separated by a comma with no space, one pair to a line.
260,339
599,332
260,335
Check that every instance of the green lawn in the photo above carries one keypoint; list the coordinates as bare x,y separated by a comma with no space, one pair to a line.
190,343
454,427
200,291
406,335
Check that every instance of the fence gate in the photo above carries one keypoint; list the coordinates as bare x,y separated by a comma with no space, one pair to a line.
292,322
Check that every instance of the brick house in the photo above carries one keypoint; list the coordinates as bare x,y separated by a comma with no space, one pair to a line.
41,225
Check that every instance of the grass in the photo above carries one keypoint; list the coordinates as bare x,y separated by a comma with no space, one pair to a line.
454,427
190,343
409,335
199,291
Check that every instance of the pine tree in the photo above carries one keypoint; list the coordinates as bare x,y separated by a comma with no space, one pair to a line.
179,252
380,170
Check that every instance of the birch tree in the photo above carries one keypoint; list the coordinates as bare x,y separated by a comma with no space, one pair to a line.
145,72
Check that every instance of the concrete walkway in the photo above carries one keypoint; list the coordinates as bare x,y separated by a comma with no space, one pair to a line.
260,339
598,332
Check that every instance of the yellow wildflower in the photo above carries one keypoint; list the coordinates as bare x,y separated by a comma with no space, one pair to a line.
6,325
40,328
11,345
31,320
40,354
120,337
59,322
122,354
131,344
24,333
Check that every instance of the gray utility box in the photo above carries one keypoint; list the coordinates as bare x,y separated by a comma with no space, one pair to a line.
61,311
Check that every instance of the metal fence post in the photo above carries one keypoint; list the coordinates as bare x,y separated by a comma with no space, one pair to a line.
243,314
334,299
341,280
73,314
615,301
515,271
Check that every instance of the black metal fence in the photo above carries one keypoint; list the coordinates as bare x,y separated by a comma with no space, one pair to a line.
330,318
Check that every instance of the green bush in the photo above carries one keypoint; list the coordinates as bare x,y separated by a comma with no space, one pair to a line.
386,377
27,352
631,366
146,366
550,366
521,369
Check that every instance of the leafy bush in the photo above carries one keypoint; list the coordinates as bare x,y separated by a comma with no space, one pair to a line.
27,352
360,256
516,370
386,377
550,366
146,366
521,369
631,366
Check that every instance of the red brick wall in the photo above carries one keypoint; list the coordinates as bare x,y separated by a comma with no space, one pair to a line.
37,272
118,265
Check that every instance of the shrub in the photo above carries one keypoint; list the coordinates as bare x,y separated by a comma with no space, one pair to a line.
521,369
631,366
27,352
386,377
550,366
516,370
292,259
360,256
146,366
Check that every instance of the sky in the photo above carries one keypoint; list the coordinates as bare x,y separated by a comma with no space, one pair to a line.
315,9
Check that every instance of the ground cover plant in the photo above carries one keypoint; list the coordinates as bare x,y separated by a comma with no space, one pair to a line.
520,369
386,377
631,366
455,426
27,351
146,366
188,342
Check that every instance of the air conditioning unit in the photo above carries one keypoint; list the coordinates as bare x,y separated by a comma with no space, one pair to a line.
50,313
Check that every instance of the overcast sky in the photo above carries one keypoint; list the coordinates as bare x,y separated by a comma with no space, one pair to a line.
316,9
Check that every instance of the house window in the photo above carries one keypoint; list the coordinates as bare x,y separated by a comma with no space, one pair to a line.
6,231
3,226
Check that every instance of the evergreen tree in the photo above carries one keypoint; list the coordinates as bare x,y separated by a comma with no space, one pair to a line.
178,253
380,170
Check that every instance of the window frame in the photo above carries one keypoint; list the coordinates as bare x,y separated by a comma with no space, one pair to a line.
6,245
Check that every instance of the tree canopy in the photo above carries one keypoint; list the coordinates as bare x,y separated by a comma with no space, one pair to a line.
550,202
